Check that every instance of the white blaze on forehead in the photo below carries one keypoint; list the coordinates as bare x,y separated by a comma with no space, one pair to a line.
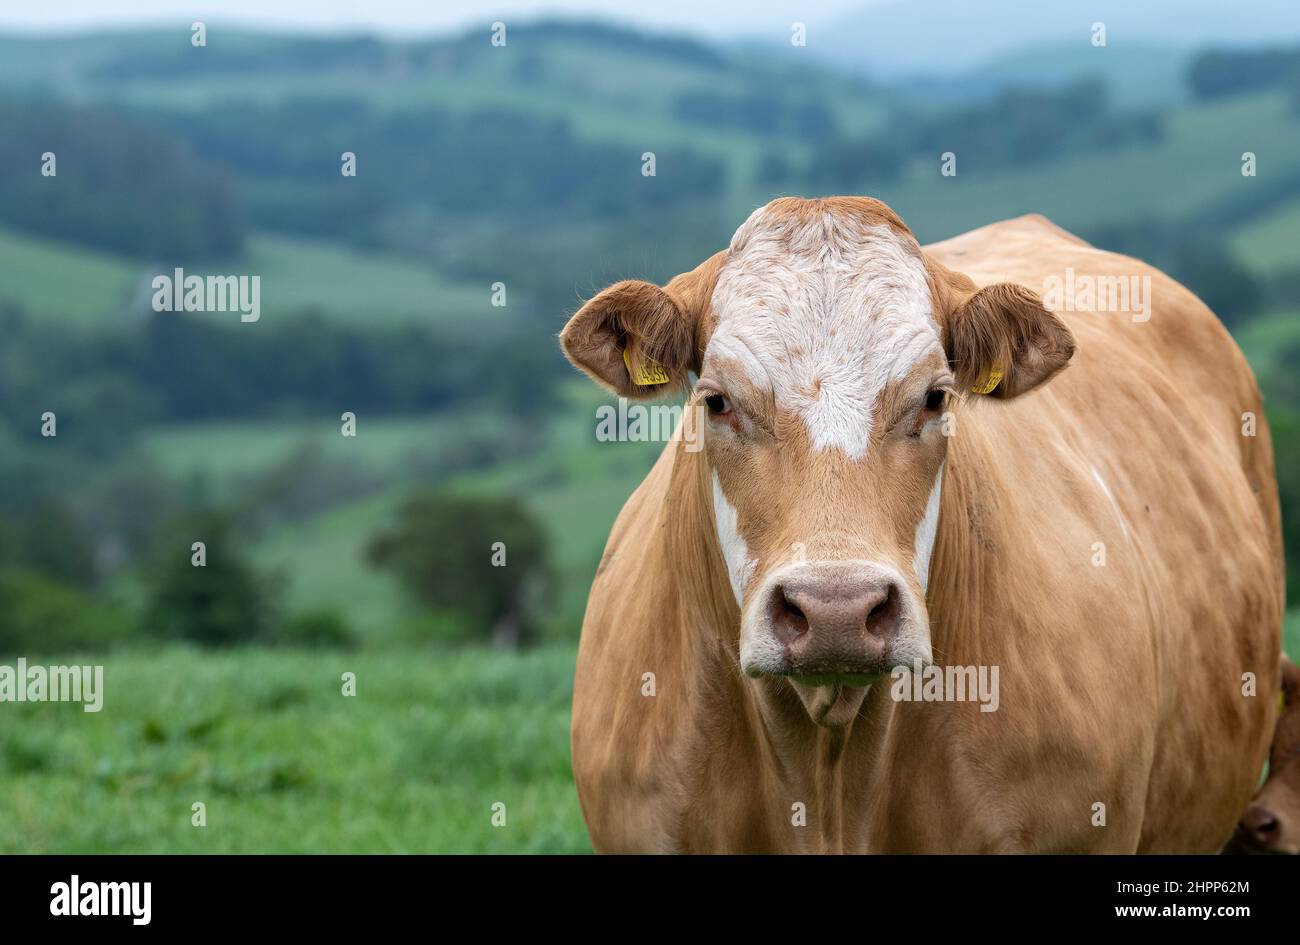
823,311
739,567
925,532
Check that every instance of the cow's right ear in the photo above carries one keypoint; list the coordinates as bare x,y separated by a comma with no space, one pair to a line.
634,339
641,341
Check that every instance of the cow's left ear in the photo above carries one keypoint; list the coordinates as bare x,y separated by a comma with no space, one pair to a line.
1000,340
639,340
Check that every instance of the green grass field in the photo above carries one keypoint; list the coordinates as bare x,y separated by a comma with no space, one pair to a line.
86,287
1201,145
1269,243
57,280
285,763
350,285
231,449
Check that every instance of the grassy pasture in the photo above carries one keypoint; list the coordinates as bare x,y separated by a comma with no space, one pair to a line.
285,763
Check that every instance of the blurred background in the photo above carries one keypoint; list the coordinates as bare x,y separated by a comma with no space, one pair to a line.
479,164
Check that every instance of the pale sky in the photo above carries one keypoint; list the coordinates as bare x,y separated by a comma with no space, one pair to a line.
718,18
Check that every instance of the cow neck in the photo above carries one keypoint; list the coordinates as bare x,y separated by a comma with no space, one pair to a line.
967,533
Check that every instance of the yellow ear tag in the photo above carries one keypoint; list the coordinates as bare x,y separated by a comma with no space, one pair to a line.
987,385
649,375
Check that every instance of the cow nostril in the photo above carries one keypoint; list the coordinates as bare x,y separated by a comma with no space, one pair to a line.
789,619
1261,823
880,619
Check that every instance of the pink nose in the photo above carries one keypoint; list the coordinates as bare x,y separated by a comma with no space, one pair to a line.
835,620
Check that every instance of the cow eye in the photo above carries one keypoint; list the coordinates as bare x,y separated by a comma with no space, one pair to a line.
934,399
718,404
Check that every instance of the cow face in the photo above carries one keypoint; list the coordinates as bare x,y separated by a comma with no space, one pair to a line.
1271,824
827,350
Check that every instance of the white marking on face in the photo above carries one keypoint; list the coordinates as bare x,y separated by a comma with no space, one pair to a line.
740,568
925,532
823,313
1115,505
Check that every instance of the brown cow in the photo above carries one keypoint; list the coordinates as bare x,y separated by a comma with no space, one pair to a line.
893,473
1271,823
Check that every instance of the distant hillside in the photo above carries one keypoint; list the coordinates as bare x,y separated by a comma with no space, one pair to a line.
482,170
1136,76
550,129
469,154
909,37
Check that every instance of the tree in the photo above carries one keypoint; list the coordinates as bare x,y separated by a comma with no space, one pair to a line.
40,615
219,603
483,559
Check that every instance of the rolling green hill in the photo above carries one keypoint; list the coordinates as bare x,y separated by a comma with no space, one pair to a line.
626,93
631,96
622,90
1200,153
360,286
575,485
51,279
1268,243
55,280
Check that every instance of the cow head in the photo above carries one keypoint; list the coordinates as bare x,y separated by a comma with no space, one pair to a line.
827,348
1271,824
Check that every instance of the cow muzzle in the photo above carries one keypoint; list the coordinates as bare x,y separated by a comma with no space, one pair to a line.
833,623
1269,824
